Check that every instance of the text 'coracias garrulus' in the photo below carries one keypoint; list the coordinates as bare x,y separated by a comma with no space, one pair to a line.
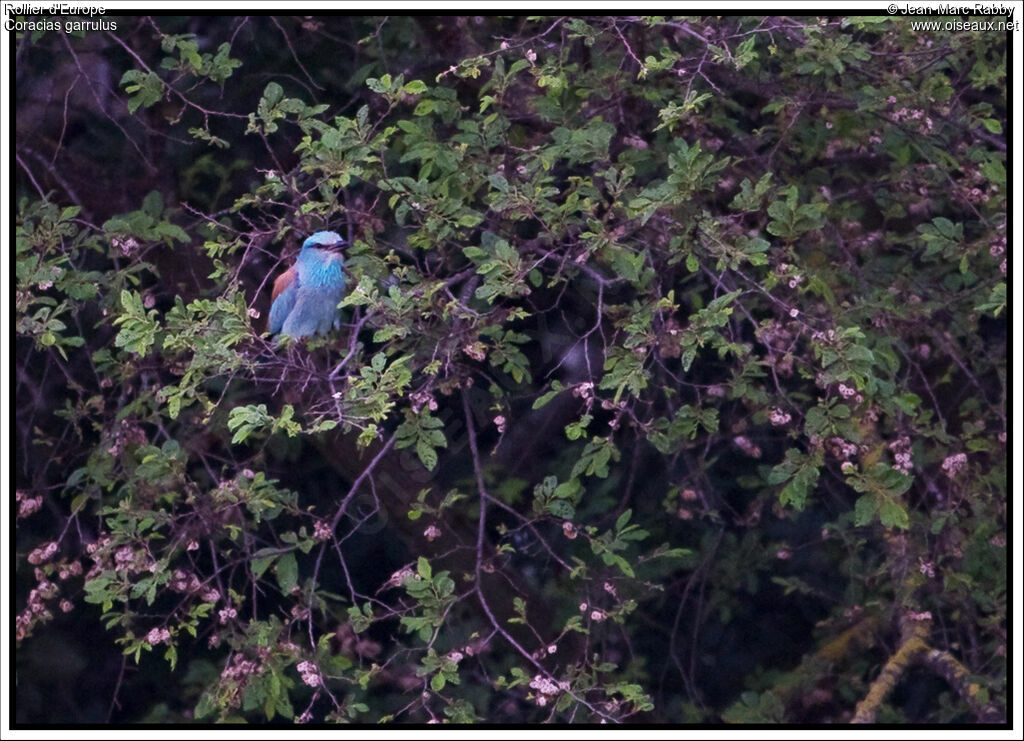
306,296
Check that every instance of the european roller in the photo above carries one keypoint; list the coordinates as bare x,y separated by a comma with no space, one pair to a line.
306,296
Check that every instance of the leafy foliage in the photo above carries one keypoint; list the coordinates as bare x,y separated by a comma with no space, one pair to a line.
661,333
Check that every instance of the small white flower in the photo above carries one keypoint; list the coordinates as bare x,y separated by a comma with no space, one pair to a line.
310,673
926,567
157,636
399,577
952,465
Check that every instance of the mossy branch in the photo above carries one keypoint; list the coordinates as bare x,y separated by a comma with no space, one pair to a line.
946,665
915,650
913,645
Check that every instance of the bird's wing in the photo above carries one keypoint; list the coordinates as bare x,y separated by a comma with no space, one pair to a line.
282,282
282,300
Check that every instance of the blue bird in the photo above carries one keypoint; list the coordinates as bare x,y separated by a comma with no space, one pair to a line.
306,296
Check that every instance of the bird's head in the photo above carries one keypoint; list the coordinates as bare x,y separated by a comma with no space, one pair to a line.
323,239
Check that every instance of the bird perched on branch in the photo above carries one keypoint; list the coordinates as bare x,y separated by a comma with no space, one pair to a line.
306,296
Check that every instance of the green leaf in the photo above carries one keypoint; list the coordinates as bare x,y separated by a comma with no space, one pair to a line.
621,563
287,573
864,510
993,125
996,301
595,458
145,89
138,328
908,402
425,432
426,454
893,514
437,682
801,471
561,508
259,564
423,568
556,389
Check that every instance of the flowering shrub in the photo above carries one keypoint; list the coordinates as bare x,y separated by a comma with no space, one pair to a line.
671,383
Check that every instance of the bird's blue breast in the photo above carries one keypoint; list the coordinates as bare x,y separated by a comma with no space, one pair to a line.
321,270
